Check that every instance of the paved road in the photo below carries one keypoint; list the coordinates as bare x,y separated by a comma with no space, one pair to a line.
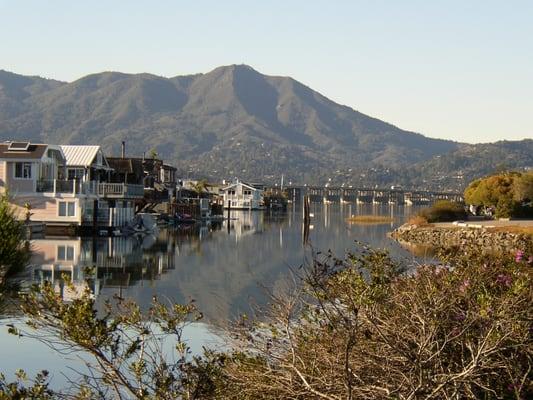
488,223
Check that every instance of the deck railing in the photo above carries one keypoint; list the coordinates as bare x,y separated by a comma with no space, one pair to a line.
59,186
120,190
116,190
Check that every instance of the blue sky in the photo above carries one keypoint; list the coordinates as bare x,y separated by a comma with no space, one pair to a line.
459,70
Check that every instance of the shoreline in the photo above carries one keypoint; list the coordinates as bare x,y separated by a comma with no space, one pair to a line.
504,237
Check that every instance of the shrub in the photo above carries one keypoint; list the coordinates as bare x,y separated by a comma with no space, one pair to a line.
362,330
359,327
444,211
418,220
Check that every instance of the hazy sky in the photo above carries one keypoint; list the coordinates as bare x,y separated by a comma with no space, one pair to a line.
459,70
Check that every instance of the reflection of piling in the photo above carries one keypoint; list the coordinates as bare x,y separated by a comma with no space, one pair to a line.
229,214
306,219
94,252
95,217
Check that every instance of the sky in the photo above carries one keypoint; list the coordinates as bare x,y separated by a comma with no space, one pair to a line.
460,70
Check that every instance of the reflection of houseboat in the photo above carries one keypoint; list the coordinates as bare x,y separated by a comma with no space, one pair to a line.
245,223
54,259
244,196
115,262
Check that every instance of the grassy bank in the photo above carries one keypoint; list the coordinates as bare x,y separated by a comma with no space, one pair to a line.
370,219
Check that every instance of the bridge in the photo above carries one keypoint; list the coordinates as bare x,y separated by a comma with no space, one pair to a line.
331,194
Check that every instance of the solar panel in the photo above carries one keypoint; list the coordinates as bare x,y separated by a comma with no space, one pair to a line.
19,146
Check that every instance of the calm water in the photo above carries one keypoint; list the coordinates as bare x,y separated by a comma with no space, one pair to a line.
226,267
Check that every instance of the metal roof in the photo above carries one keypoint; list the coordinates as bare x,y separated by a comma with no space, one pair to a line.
239,183
80,156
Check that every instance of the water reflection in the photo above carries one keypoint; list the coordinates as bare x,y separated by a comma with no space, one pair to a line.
224,266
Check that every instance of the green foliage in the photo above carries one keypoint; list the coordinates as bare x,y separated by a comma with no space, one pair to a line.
200,187
19,389
153,154
507,208
443,211
13,251
127,350
523,190
509,192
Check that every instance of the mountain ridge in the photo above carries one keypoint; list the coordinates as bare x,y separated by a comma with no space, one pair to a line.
231,121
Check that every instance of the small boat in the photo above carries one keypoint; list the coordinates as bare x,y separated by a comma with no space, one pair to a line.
183,219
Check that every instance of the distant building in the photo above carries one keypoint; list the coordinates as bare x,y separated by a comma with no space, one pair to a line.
242,195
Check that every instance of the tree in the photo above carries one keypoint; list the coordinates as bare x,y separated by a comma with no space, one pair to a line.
200,187
524,188
507,192
153,154
14,252
129,354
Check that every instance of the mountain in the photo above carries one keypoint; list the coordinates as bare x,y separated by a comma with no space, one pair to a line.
232,121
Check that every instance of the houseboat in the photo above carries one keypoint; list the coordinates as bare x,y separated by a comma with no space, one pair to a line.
243,196
45,184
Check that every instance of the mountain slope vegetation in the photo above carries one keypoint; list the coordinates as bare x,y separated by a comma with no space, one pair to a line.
232,121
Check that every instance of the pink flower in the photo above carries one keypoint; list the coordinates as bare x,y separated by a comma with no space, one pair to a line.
519,255
504,280
464,286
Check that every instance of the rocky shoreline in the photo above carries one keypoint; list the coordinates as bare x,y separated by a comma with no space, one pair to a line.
461,236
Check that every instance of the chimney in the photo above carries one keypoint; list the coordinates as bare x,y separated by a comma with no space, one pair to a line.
123,147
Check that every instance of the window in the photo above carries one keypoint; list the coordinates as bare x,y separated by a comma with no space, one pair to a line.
65,253
75,173
23,170
231,192
66,209
247,192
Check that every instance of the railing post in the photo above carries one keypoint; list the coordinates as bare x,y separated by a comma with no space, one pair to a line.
74,186
55,183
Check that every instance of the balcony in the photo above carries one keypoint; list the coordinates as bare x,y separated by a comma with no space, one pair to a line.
108,190
120,190
59,186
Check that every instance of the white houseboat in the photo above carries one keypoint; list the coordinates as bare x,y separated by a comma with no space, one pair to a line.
243,196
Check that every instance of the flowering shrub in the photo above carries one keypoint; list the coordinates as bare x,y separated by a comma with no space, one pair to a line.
363,330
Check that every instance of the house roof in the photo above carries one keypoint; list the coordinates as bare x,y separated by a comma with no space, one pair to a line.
34,152
239,183
121,165
82,156
127,165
